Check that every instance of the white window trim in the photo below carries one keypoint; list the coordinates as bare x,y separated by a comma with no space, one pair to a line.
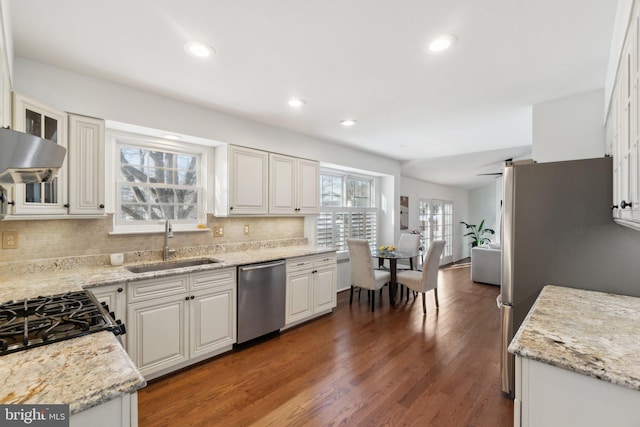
375,184
115,138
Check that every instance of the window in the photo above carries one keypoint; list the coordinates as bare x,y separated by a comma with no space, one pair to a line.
436,223
347,209
158,180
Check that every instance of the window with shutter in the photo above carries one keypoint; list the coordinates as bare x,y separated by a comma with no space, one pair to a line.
347,210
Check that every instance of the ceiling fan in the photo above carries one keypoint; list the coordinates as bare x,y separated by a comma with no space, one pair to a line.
496,174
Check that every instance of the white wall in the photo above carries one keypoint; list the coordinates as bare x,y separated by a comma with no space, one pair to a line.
73,92
482,206
415,190
569,128
88,95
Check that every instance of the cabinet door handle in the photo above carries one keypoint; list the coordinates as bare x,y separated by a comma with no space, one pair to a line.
614,207
193,296
120,289
186,298
624,204
13,202
66,205
101,206
230,208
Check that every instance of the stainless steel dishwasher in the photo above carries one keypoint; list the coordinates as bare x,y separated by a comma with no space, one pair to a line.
261,299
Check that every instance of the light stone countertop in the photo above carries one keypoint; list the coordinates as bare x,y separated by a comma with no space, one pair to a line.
18,286
89,370
81,372
592,333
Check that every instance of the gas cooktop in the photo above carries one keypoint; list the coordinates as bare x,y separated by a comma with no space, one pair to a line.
38,321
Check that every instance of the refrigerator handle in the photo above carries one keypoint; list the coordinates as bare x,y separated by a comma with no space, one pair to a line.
507,360
507,232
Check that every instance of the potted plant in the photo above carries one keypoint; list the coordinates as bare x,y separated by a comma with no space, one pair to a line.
478,233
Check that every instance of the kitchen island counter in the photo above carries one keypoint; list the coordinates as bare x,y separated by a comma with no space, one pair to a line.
82,372
592,333
578,360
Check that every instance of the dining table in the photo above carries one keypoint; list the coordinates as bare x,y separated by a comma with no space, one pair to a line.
393,257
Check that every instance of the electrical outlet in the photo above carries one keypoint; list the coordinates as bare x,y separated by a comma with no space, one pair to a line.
9,240
218,231
246,229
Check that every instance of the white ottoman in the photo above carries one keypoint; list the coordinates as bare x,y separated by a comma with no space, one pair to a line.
486,265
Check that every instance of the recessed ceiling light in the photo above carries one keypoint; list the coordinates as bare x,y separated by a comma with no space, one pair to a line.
296,102
441,43
199,50
348,123
173,137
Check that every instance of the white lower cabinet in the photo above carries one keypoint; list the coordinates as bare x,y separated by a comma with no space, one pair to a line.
299,292
311,287
548,396
121,411
178,320
212,321
157,335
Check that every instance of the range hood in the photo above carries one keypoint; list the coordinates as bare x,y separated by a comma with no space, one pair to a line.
26,158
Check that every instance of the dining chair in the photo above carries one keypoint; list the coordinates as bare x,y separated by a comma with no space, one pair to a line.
427,279
409,242
363,275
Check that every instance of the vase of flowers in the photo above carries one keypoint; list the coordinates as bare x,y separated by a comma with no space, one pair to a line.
387,249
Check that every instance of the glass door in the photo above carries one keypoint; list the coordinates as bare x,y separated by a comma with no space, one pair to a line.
435,222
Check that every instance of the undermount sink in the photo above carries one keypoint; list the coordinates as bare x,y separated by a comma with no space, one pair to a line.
168,265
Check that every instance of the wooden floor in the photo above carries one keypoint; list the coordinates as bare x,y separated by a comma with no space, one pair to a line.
353,367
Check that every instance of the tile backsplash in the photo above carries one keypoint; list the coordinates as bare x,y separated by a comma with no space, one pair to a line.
40,239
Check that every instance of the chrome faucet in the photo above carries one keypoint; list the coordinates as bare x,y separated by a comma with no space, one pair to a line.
168,233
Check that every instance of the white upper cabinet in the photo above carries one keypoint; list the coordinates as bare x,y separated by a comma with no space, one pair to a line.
79,186
622,130
254,182
293,185
241,181
86,165
45,122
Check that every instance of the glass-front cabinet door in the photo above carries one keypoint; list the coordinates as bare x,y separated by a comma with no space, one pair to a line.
40,120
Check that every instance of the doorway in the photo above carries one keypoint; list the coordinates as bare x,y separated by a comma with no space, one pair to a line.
435,222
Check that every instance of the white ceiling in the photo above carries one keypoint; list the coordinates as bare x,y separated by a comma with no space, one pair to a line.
359,59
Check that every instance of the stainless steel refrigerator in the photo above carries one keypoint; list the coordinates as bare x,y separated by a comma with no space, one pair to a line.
557,228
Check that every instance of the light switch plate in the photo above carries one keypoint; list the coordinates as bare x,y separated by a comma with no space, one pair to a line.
218,231
246,229
9,240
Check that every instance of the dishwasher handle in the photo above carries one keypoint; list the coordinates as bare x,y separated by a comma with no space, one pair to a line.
260,266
